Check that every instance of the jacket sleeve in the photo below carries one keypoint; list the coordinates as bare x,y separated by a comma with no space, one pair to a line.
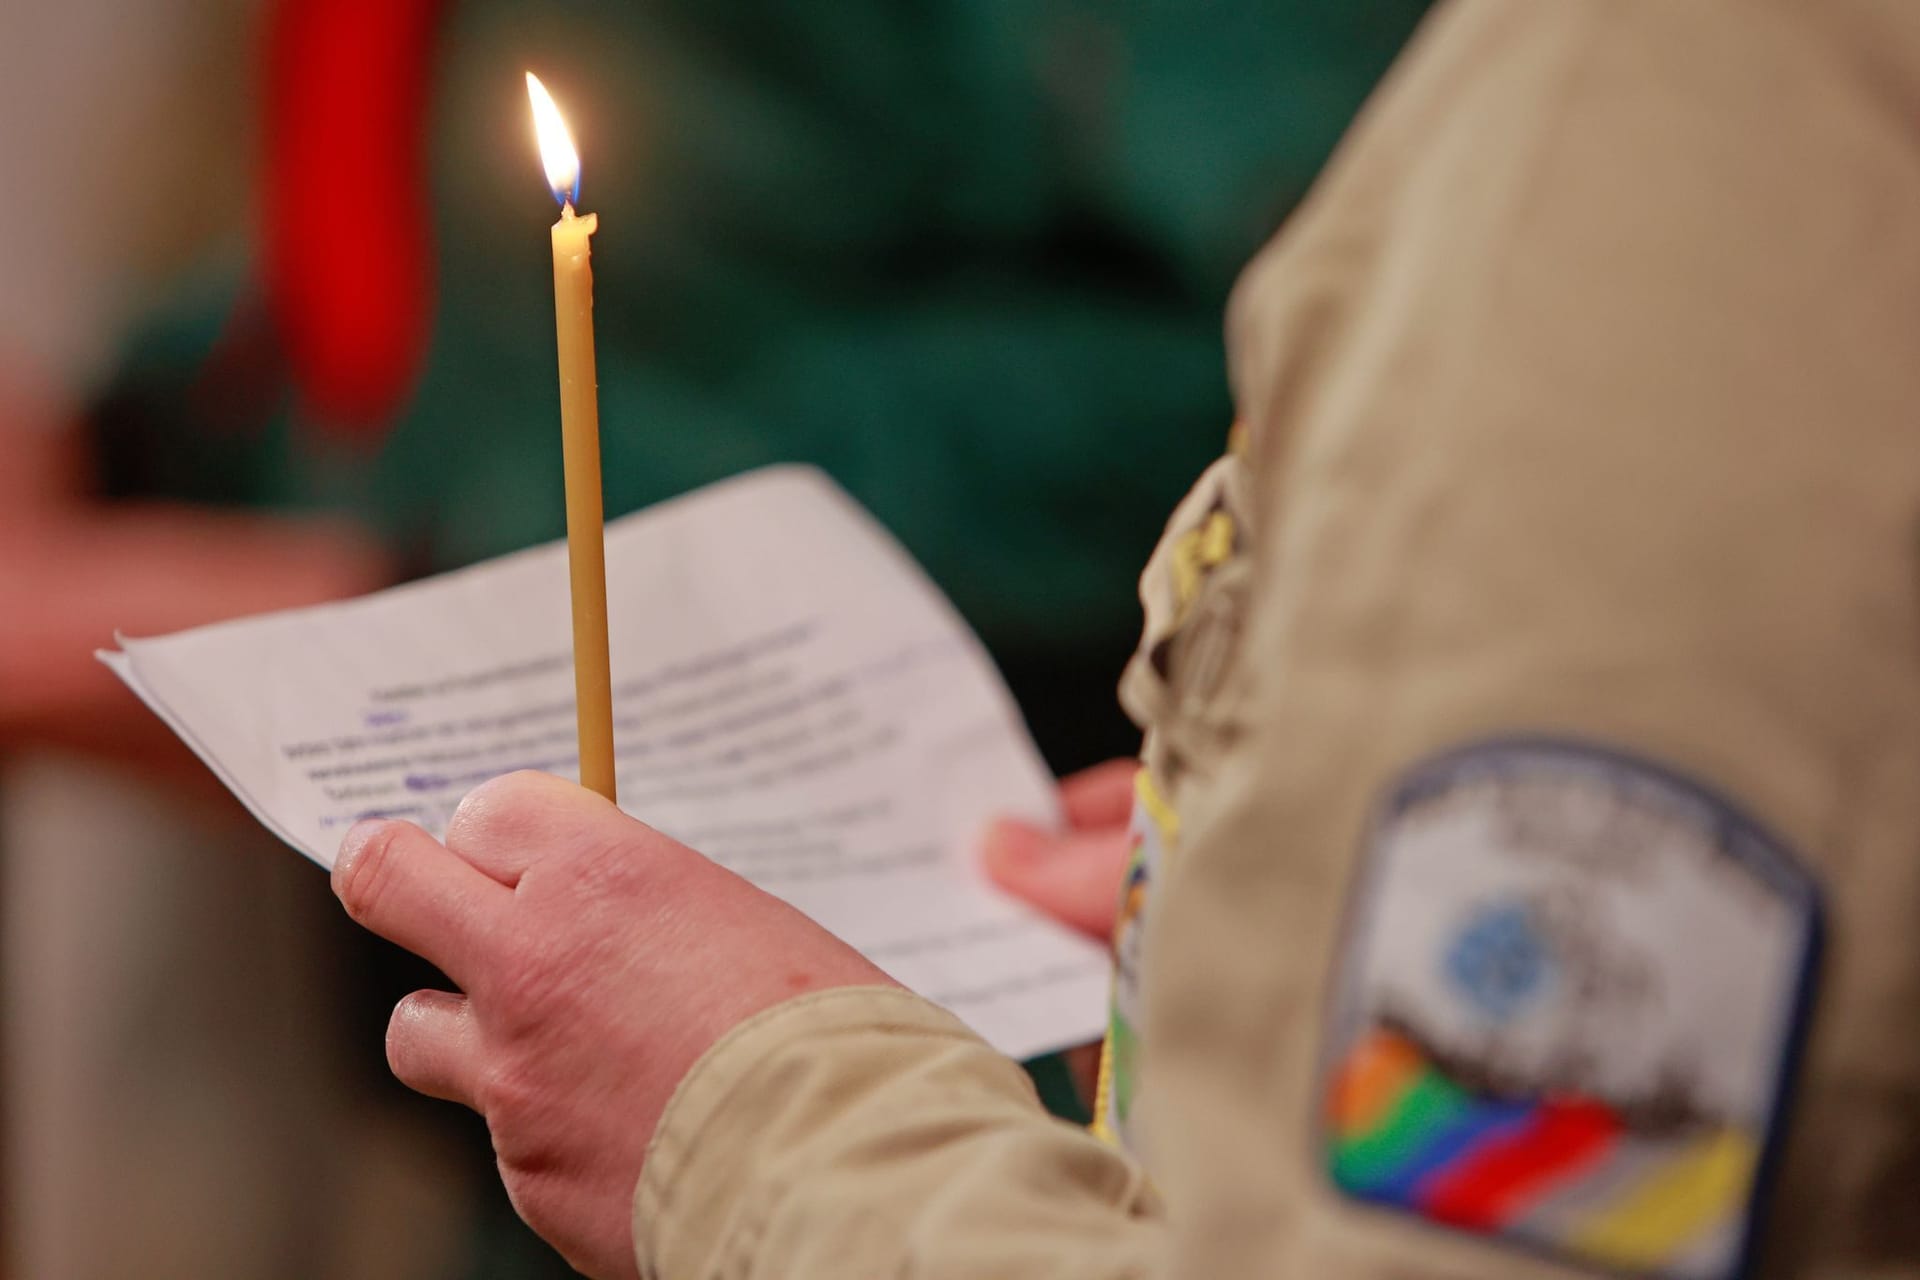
864,1132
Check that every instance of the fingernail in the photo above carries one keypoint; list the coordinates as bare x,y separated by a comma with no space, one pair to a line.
358,836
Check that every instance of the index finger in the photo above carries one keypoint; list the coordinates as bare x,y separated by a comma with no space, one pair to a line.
401,883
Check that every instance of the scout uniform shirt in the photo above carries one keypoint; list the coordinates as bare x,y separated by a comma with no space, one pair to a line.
1529,846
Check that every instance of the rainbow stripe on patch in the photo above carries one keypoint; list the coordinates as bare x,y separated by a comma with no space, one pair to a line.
1564,1173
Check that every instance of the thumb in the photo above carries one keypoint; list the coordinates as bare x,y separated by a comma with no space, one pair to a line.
1072,876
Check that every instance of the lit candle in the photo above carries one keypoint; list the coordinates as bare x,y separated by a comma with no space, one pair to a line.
580,444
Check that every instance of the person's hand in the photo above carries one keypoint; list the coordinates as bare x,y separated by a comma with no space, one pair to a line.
1073,875
599,960
73,571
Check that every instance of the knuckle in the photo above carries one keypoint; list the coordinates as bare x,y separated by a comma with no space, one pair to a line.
544,1184
510,1096
566,1206
624,859
534,988
530,1189
603,870
487,807
524,948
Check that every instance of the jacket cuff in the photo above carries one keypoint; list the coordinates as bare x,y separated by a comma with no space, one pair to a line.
703,1151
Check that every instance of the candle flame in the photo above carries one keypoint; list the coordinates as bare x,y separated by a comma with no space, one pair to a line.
556,144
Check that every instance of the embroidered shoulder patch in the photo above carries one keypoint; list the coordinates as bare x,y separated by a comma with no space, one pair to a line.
1568,1008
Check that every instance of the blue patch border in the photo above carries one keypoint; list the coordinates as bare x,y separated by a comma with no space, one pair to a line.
1740,836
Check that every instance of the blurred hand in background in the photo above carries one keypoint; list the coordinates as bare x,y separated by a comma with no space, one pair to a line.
1072,874
73,570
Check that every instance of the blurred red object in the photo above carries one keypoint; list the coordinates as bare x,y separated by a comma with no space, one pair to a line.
349,249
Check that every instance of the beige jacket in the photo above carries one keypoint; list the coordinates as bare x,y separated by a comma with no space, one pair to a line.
1581,403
